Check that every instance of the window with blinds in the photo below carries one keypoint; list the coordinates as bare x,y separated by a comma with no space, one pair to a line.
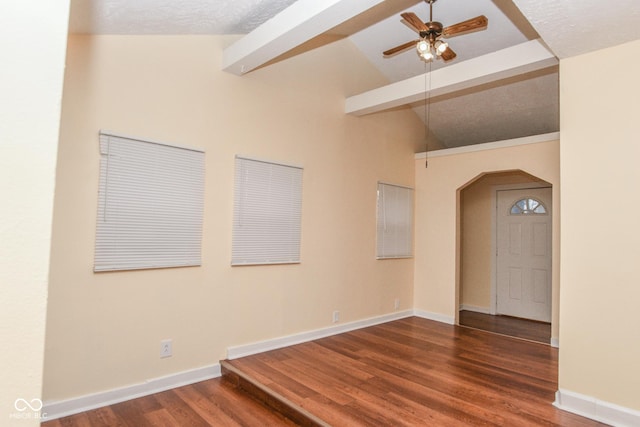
394,222
266,213
150,204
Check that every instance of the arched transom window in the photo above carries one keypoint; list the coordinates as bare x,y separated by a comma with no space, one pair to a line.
528,206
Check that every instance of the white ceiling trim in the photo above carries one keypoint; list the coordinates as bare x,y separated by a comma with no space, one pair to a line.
300,22
509,62
534,139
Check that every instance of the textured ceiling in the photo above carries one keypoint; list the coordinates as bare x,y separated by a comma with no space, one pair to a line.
511,108
575,27
171,16
518,107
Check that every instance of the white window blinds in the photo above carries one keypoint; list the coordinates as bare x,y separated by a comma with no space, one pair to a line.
394,222
150,203
267,213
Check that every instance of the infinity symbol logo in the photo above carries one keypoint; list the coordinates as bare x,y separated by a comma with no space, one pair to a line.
22,405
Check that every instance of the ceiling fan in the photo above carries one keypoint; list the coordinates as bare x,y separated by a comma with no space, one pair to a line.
430,44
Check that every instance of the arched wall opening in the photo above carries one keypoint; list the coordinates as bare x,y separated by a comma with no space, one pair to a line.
477,296
437,212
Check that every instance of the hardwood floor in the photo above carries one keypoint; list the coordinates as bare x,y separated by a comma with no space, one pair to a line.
410,372
506,325
209,403
415,372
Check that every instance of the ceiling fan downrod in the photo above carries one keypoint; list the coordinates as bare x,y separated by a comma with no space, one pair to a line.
431,2
434,29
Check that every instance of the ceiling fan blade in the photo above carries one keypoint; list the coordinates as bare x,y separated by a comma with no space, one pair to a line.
404,21
473,24
448,54
400,48
414,21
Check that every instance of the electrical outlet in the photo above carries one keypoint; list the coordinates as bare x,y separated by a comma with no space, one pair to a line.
396,303
336,316
166,349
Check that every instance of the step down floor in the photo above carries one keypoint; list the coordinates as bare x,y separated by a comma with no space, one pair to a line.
411,371
269,397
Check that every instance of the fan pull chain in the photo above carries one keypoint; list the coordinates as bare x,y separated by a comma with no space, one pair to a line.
427,112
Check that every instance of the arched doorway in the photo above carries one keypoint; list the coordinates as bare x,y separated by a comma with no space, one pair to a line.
482,277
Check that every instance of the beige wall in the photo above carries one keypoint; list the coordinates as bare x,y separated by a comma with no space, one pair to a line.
476,257
104,330
32,45
600,292
437,250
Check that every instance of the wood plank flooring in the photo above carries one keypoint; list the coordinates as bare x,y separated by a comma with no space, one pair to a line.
410,372
214,402
506,325
416,372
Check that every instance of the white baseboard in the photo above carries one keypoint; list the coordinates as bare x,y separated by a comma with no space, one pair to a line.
57,409
595,409
555,342
476,309
435,316
280,342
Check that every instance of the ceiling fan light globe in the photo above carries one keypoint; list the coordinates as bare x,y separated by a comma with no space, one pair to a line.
440,47
423,46
427,56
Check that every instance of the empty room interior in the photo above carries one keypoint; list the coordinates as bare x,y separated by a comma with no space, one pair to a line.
204,198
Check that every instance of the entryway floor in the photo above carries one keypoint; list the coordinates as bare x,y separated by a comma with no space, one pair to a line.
506,325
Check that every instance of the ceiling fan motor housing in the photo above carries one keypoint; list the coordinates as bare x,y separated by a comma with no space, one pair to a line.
434,31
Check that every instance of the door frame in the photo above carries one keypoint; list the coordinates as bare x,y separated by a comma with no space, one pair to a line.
494,235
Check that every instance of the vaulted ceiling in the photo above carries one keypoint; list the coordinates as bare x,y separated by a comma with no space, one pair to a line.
503,83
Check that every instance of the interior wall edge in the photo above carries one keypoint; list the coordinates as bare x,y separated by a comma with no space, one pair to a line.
438,317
